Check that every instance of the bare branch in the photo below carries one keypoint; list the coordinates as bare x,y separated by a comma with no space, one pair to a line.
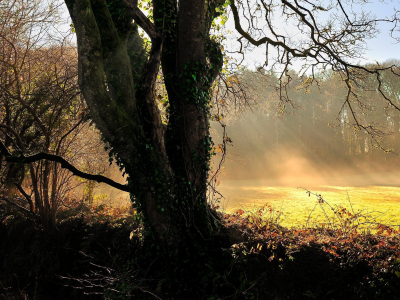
22,159
264,40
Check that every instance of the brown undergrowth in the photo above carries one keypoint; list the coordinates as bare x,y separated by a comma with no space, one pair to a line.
338,259
100,251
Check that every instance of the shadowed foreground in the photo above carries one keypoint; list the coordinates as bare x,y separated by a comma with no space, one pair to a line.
102,252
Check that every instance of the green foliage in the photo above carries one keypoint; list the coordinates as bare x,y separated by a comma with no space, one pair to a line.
72,26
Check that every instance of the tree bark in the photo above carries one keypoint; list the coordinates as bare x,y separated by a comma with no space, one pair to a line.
167,164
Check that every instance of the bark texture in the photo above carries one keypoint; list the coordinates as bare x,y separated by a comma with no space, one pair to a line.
168,163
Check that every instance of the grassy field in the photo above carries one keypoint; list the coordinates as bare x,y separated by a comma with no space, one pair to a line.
379,203
375,195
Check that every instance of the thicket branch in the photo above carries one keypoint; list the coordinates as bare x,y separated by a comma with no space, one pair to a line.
22,159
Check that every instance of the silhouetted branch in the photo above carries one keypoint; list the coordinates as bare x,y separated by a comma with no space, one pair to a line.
22,159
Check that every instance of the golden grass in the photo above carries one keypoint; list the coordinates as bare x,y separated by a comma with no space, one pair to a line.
379,203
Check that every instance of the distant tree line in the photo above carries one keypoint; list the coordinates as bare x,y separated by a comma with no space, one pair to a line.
312,121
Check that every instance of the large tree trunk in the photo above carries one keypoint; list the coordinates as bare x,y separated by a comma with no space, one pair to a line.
167,164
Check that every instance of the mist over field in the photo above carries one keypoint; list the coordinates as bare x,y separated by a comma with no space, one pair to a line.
313,144
294,168
274,155
312,133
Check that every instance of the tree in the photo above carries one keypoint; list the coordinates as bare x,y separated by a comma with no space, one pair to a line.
167,162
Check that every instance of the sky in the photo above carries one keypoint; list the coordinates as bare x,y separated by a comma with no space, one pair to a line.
380,48
383,46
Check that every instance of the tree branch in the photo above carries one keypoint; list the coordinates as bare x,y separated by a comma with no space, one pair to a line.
84,115
264,40
141,19
22,159
16,135
25,194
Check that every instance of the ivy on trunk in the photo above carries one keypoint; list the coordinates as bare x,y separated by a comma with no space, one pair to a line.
167,164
